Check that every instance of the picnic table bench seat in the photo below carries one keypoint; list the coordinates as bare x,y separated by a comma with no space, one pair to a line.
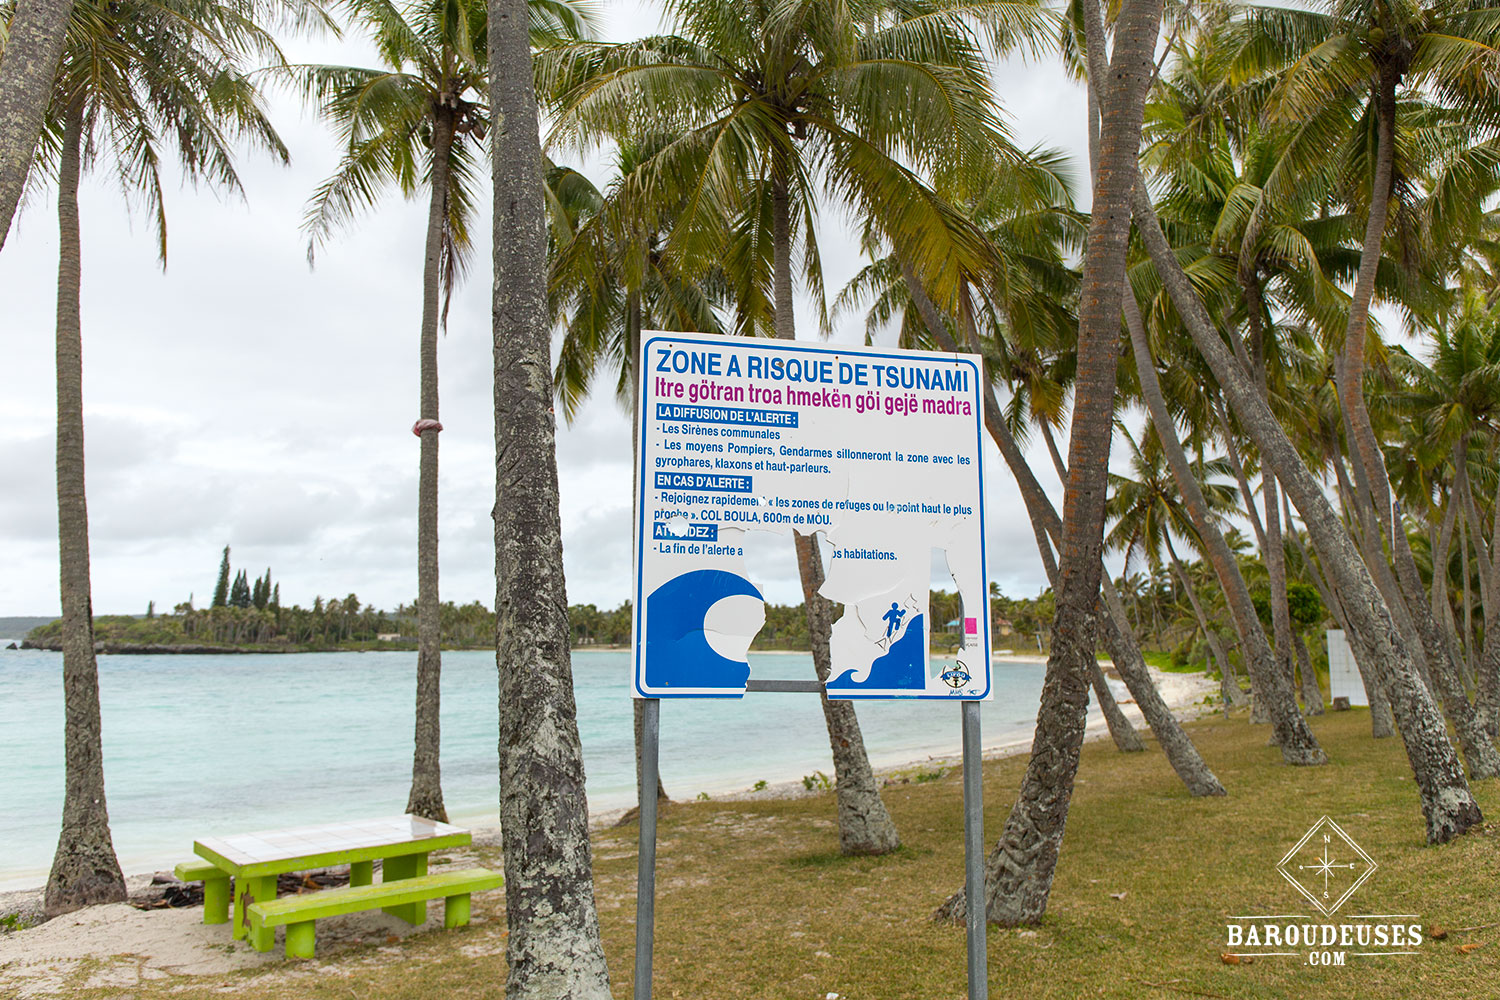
298,913
215,887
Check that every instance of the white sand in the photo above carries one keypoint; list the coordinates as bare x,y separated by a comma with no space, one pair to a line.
118,945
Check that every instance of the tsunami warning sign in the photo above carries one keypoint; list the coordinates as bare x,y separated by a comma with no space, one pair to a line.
878,450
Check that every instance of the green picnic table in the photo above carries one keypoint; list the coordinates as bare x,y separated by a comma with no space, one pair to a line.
254,860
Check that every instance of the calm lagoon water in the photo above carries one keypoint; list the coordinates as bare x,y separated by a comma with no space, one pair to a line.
199,745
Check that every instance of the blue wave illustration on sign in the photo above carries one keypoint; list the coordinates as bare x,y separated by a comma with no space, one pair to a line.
902,668
678,653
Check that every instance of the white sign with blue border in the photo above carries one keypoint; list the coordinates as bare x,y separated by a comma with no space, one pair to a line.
878,450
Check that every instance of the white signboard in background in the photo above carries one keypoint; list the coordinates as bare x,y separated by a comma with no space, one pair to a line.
879,450
1343,673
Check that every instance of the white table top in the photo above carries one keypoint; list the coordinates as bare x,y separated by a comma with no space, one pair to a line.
333,841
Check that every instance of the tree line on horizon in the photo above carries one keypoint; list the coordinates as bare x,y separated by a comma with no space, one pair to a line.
1260,176
338,623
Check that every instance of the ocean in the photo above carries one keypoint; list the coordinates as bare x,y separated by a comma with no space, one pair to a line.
204,745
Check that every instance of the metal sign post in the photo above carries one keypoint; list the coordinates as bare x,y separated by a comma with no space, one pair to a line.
645,868
974,895
880,451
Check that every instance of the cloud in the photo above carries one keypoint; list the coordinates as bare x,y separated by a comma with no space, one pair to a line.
240,397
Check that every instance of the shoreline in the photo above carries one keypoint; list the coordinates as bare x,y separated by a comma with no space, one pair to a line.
1184,694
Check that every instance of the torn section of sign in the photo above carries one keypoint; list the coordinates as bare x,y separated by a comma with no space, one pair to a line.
878,451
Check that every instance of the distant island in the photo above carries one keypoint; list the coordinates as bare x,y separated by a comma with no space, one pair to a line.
346,624
246,615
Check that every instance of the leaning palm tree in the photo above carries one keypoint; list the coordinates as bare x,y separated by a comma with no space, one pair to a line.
135,76
773,102
1447,801
1211,165
1352,67
1455,395
1371,75
419,122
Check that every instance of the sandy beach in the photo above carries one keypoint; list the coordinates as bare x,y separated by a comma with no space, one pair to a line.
120,945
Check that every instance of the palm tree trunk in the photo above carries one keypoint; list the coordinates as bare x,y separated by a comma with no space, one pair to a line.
1312,694
1118,634
1125,738
1489,666
1125,653
1467,594
28,65
1242,479
553,949
1447,804
1480,753
1179,749
1379,532
1364,448
1281,619
1272,687
1442,547
426,796
1259,713
1272,547
865,826
1019,870
1382,720
1489,657
84,869
1228,686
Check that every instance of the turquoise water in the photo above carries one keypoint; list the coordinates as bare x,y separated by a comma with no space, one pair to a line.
199,745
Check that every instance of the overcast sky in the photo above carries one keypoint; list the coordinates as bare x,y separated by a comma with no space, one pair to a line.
240,398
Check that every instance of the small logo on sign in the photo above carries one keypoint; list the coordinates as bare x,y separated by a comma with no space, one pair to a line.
956,678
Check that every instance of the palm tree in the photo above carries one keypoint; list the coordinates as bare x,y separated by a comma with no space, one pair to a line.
610,279
420,122
1020,868
1217,168
1320,105
1364,72
136,75
1019,880
554,948
1455,394
1353,63
1447,803
772,101
31,42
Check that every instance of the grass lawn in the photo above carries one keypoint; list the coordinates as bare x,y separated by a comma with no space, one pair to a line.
755,901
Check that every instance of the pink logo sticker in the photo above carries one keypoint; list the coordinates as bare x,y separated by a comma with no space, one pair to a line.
971,626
